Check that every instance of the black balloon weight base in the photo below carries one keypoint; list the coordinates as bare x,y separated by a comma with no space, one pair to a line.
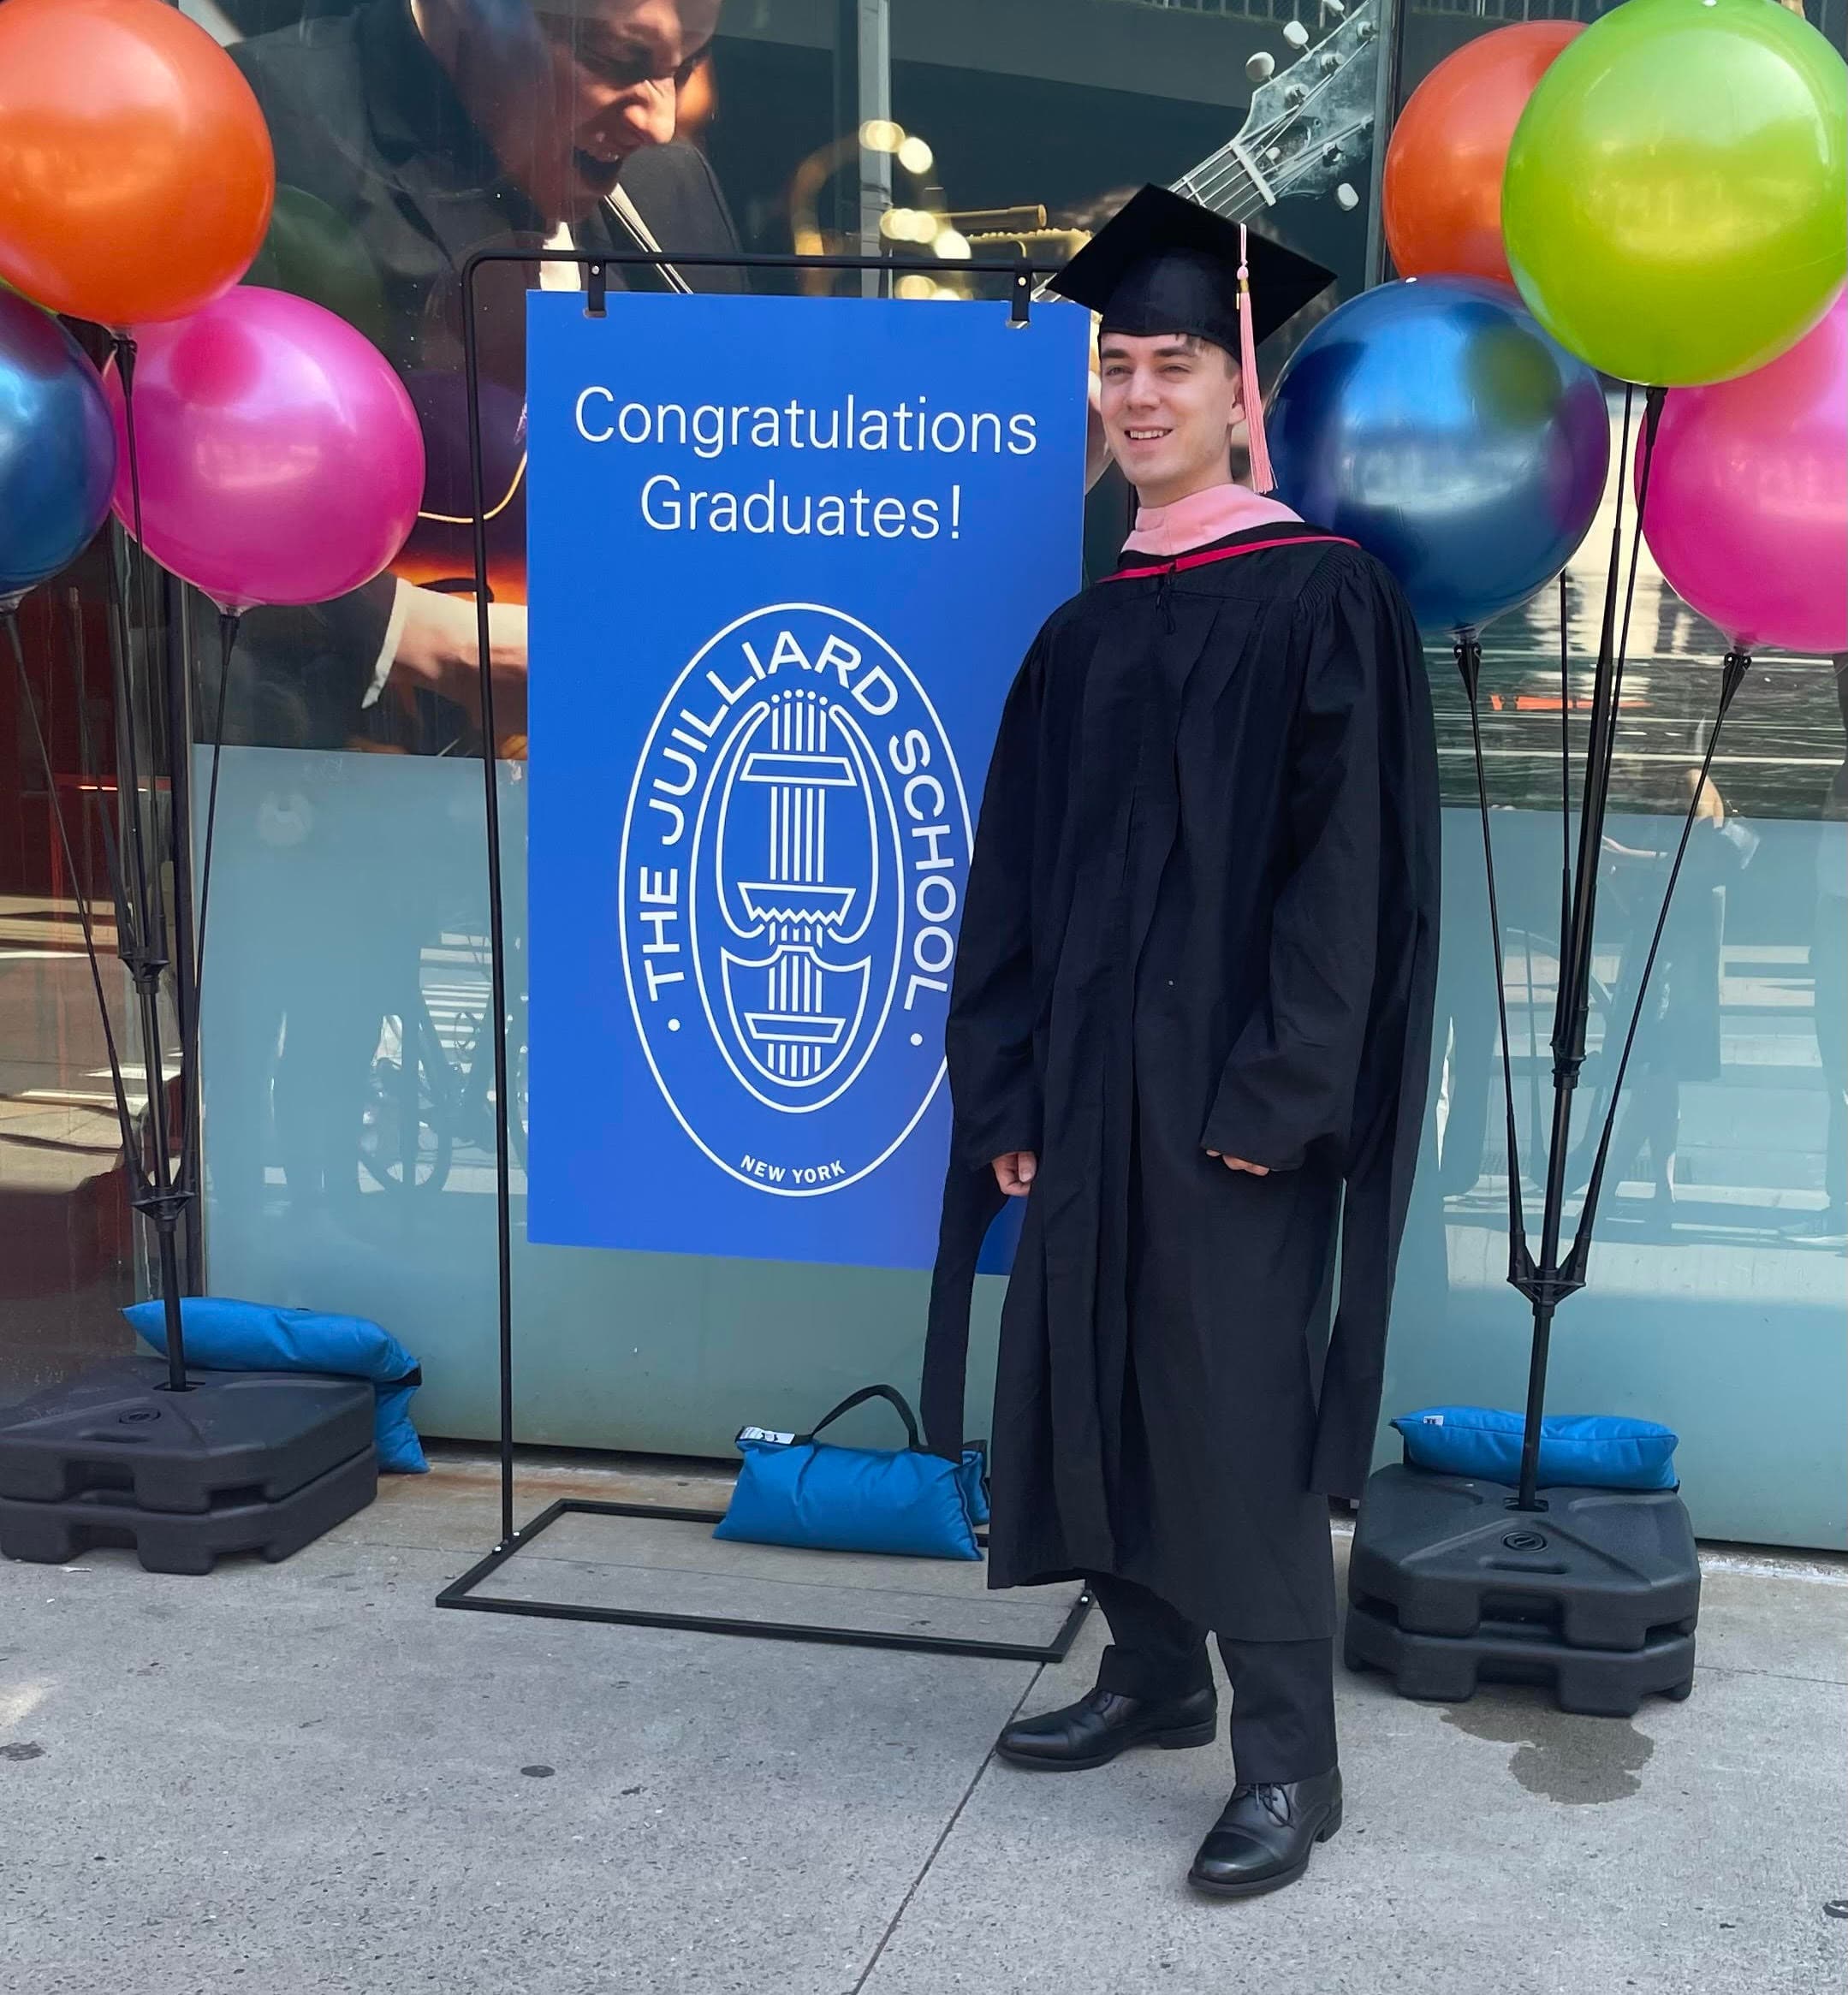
188,1541
1596,1595
1449,1668
243,1462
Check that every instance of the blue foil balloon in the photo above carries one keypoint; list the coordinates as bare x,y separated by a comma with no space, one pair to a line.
1433,422
58,447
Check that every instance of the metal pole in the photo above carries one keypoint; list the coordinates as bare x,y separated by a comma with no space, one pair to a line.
175,657
873,35
130,1148
1547,1283
1389,22
164,1201
504,1207
992,266
1544,1293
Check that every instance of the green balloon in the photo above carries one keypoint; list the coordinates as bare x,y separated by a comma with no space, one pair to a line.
311,251
1674,201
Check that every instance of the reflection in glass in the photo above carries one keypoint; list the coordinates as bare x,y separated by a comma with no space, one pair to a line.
349,1133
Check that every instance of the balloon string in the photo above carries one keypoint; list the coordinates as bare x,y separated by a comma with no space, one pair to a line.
1738,663
91,761
1566,759
1646,438
1652,411
1469,655
1652,416
1570,1004
127,903
150,904
125,1121
1653,401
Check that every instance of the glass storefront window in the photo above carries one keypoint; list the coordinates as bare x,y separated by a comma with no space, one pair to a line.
350,1126
67,1233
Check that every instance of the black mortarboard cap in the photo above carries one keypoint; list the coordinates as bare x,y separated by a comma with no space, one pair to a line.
1164,263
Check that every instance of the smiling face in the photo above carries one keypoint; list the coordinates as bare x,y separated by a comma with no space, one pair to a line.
578,86
1170,404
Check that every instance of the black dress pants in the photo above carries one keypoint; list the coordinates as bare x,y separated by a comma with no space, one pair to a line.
1282,1692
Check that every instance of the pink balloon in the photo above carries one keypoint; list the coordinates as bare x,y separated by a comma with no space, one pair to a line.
1748,505
280,457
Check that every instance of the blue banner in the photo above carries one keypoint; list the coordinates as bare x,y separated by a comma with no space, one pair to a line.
785,555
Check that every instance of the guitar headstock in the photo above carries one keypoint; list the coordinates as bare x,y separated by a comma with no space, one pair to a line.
1310,124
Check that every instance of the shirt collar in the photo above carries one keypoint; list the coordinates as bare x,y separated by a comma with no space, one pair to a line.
413,105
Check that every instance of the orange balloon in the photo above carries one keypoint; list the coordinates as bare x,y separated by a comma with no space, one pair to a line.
1442,189
135,170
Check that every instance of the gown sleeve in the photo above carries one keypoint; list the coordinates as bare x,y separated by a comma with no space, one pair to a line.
1341,1049
1289,1080
994,1084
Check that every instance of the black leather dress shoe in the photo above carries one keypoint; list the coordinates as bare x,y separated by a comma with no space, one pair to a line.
1264,1837
1099,1727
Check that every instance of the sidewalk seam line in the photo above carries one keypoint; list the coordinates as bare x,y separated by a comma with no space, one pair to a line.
1774,1676
944,1836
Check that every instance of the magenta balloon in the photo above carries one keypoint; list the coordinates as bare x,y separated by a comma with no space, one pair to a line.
279,454
1747,507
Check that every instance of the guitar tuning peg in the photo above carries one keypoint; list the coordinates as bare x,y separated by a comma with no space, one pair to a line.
1260,69
1346,199
1296,34
1336,9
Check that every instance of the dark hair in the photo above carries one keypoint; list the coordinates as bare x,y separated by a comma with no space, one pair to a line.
1194,342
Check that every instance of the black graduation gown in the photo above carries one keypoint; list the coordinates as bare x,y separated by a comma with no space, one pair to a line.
1202,915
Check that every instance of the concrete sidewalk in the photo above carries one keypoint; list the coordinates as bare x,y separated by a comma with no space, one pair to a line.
302,1777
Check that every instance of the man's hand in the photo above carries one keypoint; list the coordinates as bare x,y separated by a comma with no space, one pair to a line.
437,650
1240,1164
1015,1172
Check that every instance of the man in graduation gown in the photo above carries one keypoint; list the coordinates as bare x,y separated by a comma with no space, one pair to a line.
1191,1011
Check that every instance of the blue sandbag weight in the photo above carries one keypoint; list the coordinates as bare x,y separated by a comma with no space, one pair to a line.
225,1335
1588,1451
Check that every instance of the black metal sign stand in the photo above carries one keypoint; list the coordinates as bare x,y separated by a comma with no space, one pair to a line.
459,1594
514,1539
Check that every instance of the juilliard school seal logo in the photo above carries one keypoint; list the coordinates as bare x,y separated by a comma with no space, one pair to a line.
794,853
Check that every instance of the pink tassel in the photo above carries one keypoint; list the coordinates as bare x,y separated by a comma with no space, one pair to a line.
1256,447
